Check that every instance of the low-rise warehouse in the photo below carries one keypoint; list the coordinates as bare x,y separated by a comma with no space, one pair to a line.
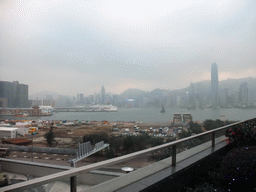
8,132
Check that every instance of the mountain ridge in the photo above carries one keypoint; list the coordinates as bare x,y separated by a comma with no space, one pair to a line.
201,86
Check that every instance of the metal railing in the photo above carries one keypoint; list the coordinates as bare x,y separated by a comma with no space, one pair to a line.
40,149
86,149
73,173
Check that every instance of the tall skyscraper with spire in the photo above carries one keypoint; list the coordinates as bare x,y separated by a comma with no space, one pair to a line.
102,96
214,85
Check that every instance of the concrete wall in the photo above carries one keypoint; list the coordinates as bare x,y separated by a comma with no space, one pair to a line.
31,168
40,170
40,149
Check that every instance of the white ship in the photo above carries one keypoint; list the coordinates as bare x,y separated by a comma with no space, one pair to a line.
89,108
104,108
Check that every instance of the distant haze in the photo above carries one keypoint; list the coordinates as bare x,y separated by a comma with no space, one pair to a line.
70,47
200,87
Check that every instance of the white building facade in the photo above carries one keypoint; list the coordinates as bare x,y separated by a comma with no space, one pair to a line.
8,132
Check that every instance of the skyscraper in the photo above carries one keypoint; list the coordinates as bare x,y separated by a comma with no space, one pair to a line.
14,93
243,93
80,98
102,96
214,85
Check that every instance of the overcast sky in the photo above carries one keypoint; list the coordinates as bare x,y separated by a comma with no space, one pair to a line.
76,46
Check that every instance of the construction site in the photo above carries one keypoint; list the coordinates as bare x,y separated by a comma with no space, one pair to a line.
68,136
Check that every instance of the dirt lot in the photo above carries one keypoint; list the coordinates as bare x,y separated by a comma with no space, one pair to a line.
70,136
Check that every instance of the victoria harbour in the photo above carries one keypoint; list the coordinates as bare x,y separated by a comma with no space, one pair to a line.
148,115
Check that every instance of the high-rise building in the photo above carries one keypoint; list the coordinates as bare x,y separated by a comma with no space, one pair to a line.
214,85
15,93
223,96
80,98
97,98
91,99
243,93
102,96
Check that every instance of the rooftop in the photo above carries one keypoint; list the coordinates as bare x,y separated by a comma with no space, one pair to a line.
8,129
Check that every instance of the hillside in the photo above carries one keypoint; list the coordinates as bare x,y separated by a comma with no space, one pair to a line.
200,87
132,93
235,83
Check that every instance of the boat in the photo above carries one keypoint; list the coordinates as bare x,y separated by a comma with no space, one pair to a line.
163,110
89,108
103,108
21,115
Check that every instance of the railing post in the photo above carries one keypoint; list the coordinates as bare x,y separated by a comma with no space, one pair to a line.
213,139
73,184
173,155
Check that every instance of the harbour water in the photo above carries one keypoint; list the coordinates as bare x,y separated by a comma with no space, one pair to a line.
149,115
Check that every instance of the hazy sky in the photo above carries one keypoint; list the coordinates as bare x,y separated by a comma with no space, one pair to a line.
76,46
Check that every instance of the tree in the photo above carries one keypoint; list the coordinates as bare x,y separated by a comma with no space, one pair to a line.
209,124
195,128
110,153
116,143
49,136
96,137
129,144
156,141
184,134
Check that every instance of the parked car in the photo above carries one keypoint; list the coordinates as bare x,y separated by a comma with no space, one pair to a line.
115,129
160,130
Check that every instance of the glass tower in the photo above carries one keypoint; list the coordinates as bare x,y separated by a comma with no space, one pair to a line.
102,95
214,85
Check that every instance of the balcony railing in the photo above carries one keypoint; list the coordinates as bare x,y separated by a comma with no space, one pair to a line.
73,173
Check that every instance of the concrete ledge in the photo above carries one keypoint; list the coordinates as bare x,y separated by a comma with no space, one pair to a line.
32,168
37,170
107,173
35,163
147,176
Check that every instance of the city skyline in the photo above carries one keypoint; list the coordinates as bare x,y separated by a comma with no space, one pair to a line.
98,92
232,93
72,46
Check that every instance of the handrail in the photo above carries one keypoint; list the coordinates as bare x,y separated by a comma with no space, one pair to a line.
76,171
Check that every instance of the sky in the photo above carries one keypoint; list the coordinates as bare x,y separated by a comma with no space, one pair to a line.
76,46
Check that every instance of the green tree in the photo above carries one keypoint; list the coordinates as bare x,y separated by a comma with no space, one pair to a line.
110,153
95,138
116,143
156,141
209,124
184,134
129,144
49,136
195,128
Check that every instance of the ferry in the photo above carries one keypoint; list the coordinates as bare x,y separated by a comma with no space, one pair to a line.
91,108
21,115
